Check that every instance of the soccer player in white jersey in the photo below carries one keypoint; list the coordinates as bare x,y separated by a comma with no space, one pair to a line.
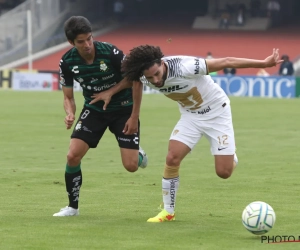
204,107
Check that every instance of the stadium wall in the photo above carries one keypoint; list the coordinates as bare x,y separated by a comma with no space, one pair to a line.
242,86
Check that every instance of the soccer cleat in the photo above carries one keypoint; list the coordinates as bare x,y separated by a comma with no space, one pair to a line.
67,211
145,158
162,216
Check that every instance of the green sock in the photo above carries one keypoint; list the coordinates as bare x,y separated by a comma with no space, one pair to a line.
71,170
73,180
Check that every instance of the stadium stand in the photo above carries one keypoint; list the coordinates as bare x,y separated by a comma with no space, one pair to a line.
175,36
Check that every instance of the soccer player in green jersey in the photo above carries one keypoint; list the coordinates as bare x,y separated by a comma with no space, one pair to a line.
97,67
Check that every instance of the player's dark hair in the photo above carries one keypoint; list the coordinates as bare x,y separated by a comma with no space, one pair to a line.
140,58
76,25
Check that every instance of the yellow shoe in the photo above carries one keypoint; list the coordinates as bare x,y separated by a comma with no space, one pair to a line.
162,216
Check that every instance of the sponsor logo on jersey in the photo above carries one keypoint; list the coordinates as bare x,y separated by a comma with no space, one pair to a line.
124,103
86,129
103,87
107,77
80,80
94,79
172,89
124,139
75,70
201,112
103,66
172,193
197,67
136,140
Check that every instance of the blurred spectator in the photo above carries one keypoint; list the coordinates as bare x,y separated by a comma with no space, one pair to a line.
229,71
240,18
273,9
255,6
286,67
209,55
119,10
262,72
224,21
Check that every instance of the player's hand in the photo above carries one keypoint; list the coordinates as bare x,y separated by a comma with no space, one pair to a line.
131,126
273,59
69,120
103,96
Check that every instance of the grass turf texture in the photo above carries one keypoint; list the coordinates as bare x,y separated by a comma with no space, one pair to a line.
115,204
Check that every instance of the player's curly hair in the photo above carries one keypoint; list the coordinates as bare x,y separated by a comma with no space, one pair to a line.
140,58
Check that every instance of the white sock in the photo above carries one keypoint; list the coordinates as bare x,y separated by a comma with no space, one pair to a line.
169,190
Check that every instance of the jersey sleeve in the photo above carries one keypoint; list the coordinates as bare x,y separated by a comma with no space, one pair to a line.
65,75
194,66
116,57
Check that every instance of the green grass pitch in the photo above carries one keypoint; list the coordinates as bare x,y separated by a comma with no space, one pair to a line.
115,204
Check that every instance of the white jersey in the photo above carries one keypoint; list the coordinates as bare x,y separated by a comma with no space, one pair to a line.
189,84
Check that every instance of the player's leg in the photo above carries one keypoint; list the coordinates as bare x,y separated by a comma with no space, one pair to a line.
183,138
73,176
132,159
221,136
224,165
86,134
133,156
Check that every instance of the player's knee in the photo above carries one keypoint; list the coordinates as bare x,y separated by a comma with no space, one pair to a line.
172,159
224,172
73,159
131,165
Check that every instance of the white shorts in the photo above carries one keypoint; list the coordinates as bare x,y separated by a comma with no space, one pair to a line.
219,132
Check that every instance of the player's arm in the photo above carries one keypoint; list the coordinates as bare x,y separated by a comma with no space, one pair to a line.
69,106
234,62
107,94
137,93
66,80
131,125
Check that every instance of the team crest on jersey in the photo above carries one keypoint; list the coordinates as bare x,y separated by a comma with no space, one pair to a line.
78,126
103,66
175,132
